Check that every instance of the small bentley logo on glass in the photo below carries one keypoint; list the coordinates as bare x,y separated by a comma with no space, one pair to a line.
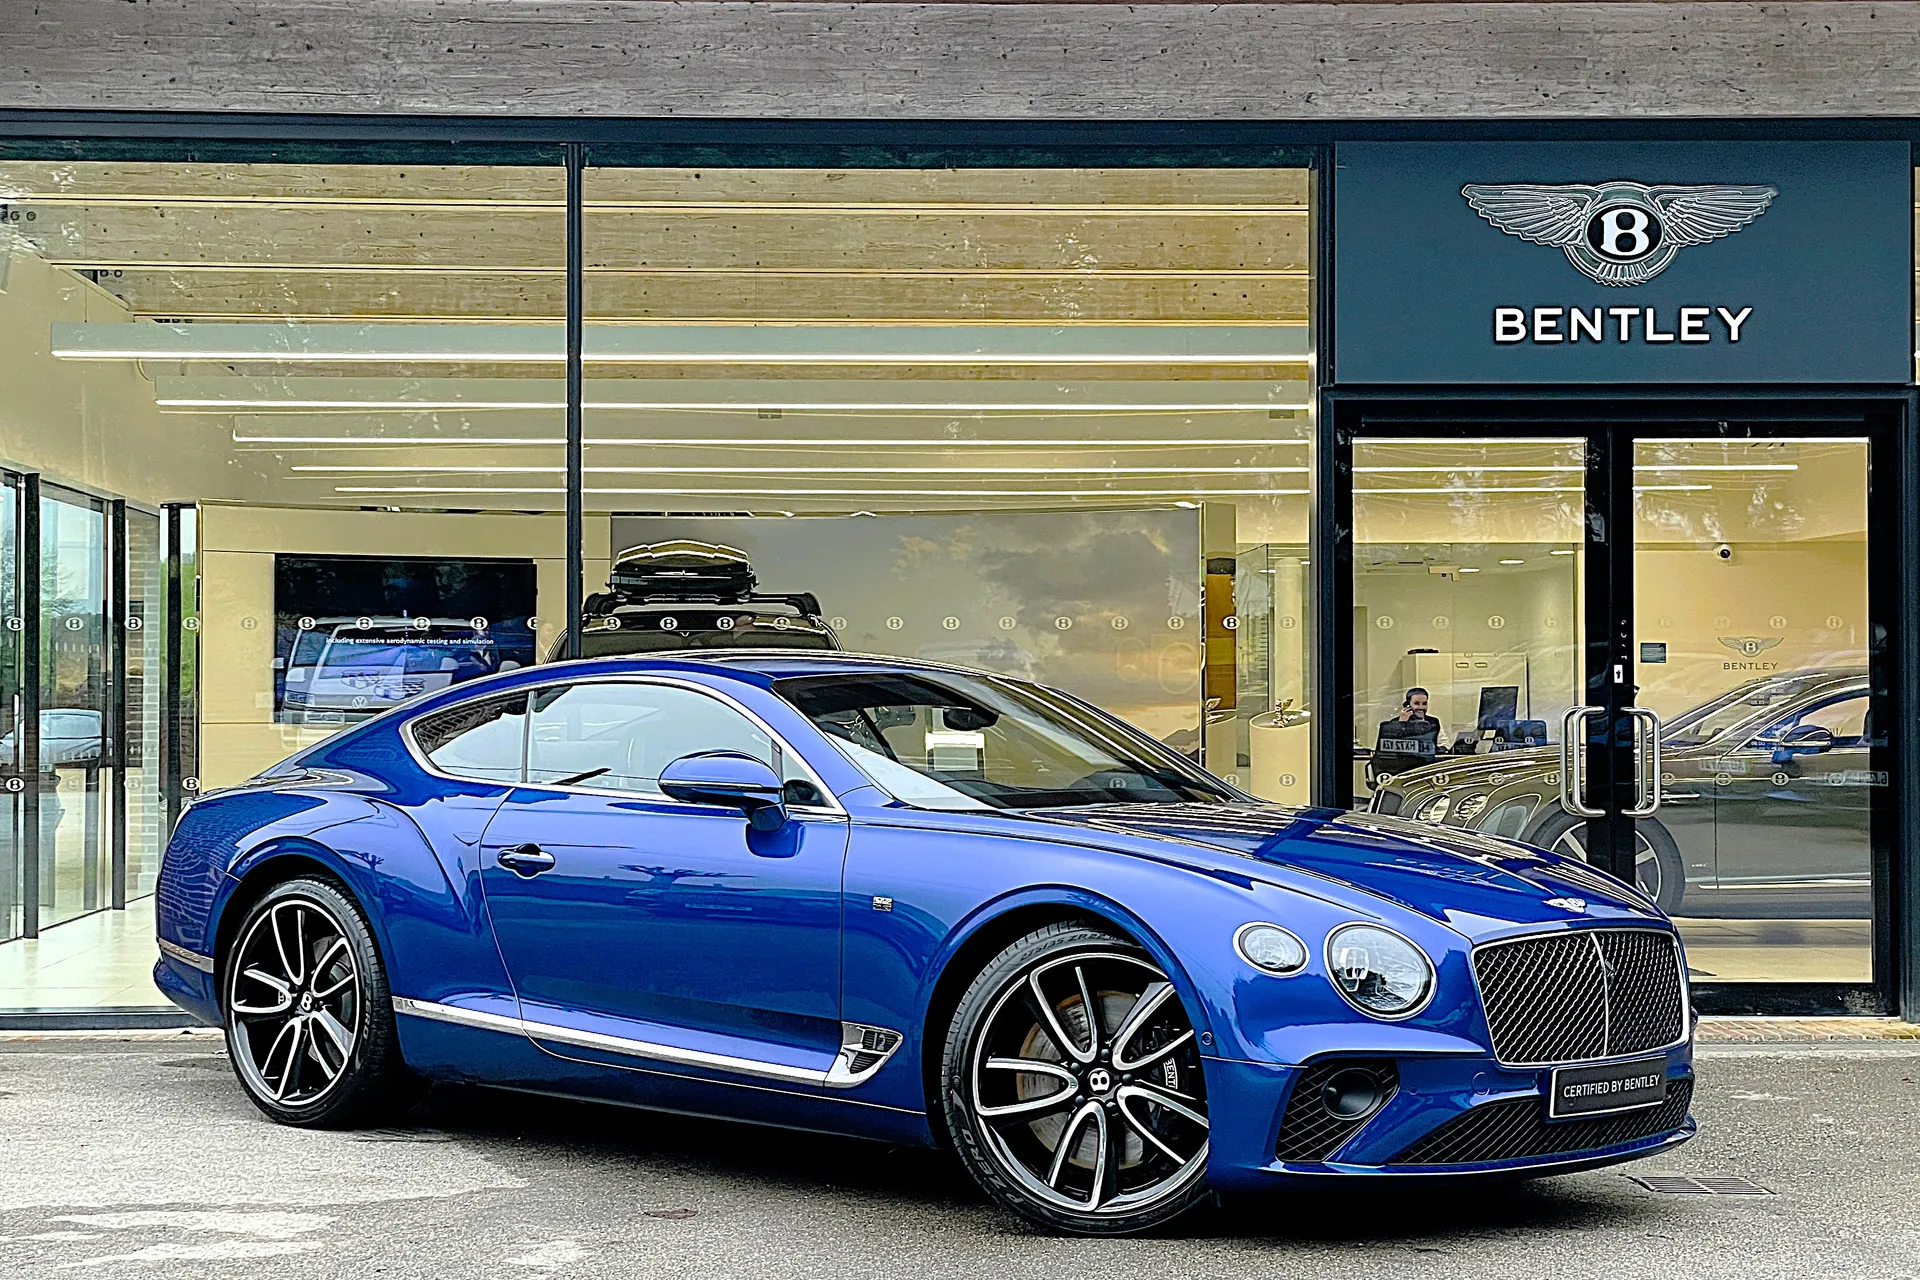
1750,646
1618,233
1568,904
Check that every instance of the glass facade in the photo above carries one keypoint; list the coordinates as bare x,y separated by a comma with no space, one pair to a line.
286,443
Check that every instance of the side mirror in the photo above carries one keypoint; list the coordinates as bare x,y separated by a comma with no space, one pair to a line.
730,778
1803,740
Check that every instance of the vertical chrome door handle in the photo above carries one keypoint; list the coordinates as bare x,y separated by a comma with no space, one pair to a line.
1647,770
1573,789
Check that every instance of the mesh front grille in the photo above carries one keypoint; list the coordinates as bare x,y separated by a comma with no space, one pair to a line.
1647,1007
1519,1129
1309,1133
1578,996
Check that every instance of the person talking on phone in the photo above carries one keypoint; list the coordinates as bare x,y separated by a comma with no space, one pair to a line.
1414,708
1406,740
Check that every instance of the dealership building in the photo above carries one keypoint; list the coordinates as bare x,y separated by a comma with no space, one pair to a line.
1239,368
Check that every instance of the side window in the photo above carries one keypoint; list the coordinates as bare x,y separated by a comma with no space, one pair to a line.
618,737
1846,719
481,739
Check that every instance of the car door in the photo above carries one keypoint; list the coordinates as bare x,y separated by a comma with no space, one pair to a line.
1791,812
636,926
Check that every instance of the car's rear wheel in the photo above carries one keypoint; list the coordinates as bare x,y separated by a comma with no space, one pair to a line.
1073,1086
1656,865
309,1017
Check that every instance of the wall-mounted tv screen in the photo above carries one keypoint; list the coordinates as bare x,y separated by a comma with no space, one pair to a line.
354,635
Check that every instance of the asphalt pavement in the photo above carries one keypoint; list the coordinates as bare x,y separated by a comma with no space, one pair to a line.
141,1158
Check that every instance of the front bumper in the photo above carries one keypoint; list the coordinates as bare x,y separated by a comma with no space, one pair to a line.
1249,1105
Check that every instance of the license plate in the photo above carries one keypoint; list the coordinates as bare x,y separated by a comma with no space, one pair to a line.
1616,1086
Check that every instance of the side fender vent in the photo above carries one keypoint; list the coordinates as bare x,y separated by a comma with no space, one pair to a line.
863,1051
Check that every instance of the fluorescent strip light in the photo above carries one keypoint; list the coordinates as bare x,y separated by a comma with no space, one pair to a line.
868,492
725,469
780,442
726,395
1474,468
681,344
1572,488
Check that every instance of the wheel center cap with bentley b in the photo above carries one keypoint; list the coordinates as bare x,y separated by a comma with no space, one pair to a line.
306,1002
1098,1081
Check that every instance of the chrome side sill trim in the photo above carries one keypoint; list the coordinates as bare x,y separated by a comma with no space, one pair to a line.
193,958
622,1045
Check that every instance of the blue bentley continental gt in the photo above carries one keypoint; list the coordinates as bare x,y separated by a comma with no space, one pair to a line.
920,904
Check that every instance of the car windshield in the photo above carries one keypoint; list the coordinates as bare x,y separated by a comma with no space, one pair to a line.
1736,707
959,741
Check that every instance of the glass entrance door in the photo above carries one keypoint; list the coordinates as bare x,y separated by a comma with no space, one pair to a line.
1752,619
1647,645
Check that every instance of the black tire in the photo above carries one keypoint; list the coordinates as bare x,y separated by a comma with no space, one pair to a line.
308,1014
1659,871
1129,1151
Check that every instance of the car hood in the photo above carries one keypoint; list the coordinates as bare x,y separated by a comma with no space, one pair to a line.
1479,885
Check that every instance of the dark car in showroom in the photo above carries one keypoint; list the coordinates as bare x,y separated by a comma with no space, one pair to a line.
685,594
1765,794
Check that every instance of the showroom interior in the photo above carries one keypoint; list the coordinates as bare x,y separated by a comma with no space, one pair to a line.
287,432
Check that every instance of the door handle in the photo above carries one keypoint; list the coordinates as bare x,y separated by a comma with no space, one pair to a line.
525,860
1647,759
1573,789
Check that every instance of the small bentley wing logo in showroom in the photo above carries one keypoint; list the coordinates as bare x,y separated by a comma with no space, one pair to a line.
1750,646
1618,233
1568,904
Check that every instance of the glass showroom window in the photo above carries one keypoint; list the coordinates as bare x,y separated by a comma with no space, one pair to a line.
279,352
1052,422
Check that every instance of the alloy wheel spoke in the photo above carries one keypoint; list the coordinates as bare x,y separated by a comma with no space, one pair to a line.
1031,1067
294,973
326,957
1159,1098
283,994
289,1037
1090,1010
1051,1019
1143,1009
1153,1055
296,1052
1070,1136
336,1032
1141,1127
338,985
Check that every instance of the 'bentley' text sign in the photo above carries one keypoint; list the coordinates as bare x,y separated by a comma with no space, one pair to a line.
1722,262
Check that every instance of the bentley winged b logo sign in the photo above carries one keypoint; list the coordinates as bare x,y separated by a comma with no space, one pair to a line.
1618,233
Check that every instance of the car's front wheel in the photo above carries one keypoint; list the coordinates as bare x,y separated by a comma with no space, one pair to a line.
1073,1086
309,1018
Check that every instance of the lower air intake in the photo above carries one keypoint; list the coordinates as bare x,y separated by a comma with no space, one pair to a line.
1519,1129
1330,1102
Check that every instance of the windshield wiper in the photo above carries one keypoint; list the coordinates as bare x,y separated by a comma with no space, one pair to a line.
579,777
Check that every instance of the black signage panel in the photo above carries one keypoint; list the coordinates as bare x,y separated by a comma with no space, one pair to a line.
1623,262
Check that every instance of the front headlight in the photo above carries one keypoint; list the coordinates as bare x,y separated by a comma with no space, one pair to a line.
1469,809
1378,971
1434,810
1270,949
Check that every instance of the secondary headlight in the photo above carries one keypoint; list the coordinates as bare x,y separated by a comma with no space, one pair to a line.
1270,949
1379,972
1434,810
1469,809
